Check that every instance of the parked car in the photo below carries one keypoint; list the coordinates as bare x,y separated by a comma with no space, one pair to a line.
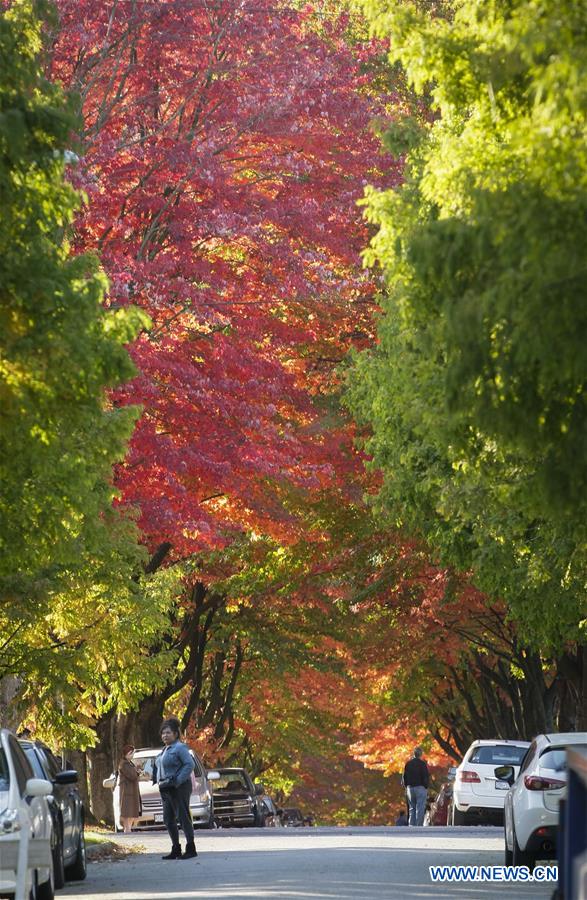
69,848
291,817
237,801
270,812
531,803
438,811
201,803
24,813
478,796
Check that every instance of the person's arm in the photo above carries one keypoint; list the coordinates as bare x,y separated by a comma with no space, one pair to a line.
426,776
187,764
130,772
404,782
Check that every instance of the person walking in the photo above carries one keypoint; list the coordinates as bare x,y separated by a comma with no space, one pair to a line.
128,781
416,779
173,773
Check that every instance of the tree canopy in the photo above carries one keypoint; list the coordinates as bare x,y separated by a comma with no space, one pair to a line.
476,388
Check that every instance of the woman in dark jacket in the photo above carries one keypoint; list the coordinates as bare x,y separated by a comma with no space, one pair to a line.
130,798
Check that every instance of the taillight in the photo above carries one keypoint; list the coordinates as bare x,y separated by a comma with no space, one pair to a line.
468,776
534,783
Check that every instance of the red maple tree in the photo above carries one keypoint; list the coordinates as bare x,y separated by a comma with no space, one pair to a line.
226,146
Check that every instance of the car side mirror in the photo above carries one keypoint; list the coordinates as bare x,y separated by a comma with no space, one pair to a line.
452,773
259,789
505,773
38,787
213,775
69,776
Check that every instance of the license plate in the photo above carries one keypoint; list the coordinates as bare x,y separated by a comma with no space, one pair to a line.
159,818
502,786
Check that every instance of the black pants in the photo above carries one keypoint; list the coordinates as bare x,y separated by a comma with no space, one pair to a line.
176,806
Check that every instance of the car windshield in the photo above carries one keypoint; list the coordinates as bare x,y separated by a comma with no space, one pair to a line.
498,755
556,758
231,781
4,772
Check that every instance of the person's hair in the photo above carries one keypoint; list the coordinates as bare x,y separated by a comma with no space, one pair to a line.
418,752
401,812
172,723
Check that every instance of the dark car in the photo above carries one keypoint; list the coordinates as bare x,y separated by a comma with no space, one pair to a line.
439,809
237,801
291,817
69,849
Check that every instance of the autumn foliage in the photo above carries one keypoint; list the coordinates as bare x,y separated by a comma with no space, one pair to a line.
226,148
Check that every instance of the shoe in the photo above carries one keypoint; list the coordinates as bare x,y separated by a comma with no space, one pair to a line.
175,853
190,851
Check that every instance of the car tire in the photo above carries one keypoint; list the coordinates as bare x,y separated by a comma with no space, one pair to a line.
58,863
78,869
521,857
508,857
46,890
457,817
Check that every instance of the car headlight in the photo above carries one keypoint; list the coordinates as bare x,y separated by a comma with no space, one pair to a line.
9,821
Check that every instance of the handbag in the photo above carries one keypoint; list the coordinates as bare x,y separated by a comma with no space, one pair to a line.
111,781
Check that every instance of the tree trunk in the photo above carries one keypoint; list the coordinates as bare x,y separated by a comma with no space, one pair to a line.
100,764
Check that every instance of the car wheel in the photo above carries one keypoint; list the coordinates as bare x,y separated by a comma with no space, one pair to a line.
57,853
78,869
521,857
457,817
46,890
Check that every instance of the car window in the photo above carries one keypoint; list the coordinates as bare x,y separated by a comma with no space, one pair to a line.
146,763
529,757
498,755
555,758
35,762
53,766
198,771
21,765
231,781
4,772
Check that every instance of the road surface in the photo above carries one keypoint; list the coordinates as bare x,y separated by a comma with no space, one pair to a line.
305,864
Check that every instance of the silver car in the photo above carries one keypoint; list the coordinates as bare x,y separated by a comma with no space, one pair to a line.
201,803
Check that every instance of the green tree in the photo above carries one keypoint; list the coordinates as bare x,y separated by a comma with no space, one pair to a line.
60,348
476,389
73,606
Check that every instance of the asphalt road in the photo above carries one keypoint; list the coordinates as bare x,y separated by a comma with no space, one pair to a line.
305,864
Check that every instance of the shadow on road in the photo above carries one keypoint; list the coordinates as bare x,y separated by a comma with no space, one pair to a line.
352,872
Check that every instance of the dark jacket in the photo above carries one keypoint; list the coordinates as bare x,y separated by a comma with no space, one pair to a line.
416,773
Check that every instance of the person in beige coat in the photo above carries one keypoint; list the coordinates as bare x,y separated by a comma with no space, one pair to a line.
130,798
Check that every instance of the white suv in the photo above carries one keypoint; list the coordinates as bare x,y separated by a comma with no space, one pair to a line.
478,796
531,804
201,804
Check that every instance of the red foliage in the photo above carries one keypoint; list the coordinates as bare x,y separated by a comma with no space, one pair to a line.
226,147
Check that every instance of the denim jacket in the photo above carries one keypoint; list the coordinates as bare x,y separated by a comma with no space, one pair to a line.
178,763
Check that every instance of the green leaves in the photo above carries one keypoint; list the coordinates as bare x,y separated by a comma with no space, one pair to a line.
477,390
69,560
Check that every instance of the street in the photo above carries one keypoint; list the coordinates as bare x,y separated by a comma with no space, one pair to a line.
291,864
